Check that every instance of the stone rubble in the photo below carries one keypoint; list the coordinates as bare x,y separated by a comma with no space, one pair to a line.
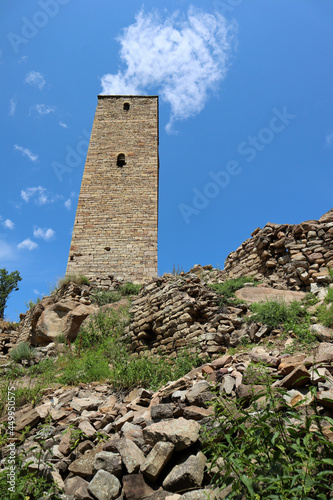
147,445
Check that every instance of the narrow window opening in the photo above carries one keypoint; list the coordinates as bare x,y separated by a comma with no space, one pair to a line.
121,161
126,106
107,249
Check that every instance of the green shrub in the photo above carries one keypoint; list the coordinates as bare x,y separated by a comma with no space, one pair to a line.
101,327
268,451
325,315
22,351
46,367
329,296
228,288
31,304
102,297
151,371
129,289
79,279
274,313
91,367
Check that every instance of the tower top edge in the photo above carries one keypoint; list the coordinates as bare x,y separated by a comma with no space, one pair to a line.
104,96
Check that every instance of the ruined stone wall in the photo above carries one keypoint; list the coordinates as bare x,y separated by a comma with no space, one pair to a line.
285,255
173,314
115,229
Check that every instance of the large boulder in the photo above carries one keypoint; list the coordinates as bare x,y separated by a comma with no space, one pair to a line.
62,318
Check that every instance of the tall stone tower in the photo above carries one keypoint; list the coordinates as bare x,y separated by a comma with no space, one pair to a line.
115,228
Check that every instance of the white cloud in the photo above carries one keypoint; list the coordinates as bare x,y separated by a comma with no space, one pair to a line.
63,125
26,152
329,139
27,244
68,204
39,194
43,109
8,224
12,106
35,79
36,292
183,59
45,234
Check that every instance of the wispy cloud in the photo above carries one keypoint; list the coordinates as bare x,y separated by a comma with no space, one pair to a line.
12,106
329,139
63,125
8,224
68,204
35,79
184,59
26,152
27,244
39,194
43,109
44,234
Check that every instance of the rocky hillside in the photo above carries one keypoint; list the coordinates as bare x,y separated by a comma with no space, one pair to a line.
94,418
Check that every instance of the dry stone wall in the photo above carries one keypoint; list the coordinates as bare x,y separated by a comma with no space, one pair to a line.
171,314
285,255
115,229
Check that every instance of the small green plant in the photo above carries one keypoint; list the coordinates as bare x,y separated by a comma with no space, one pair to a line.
267,451
228,288
76,437
79,279
329,296
31,304
60,339
22,351
129,289
325,315
177,271
102,297
26,483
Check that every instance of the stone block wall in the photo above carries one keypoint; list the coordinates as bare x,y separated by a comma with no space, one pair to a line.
171,314
285,255
115,229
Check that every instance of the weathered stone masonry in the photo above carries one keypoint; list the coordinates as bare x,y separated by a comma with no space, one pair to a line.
115,229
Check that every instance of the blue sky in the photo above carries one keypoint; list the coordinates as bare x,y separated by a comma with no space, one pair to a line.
246,120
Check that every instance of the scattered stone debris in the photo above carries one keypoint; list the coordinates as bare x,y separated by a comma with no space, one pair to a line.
147,445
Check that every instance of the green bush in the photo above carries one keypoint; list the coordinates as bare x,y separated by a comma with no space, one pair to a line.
274,313
228,288
102,297
329,296
268,451
325,315
101,327
129,289
91,367
22,351
31,304
151,371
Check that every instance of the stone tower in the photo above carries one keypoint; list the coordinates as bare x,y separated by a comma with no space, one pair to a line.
115,228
